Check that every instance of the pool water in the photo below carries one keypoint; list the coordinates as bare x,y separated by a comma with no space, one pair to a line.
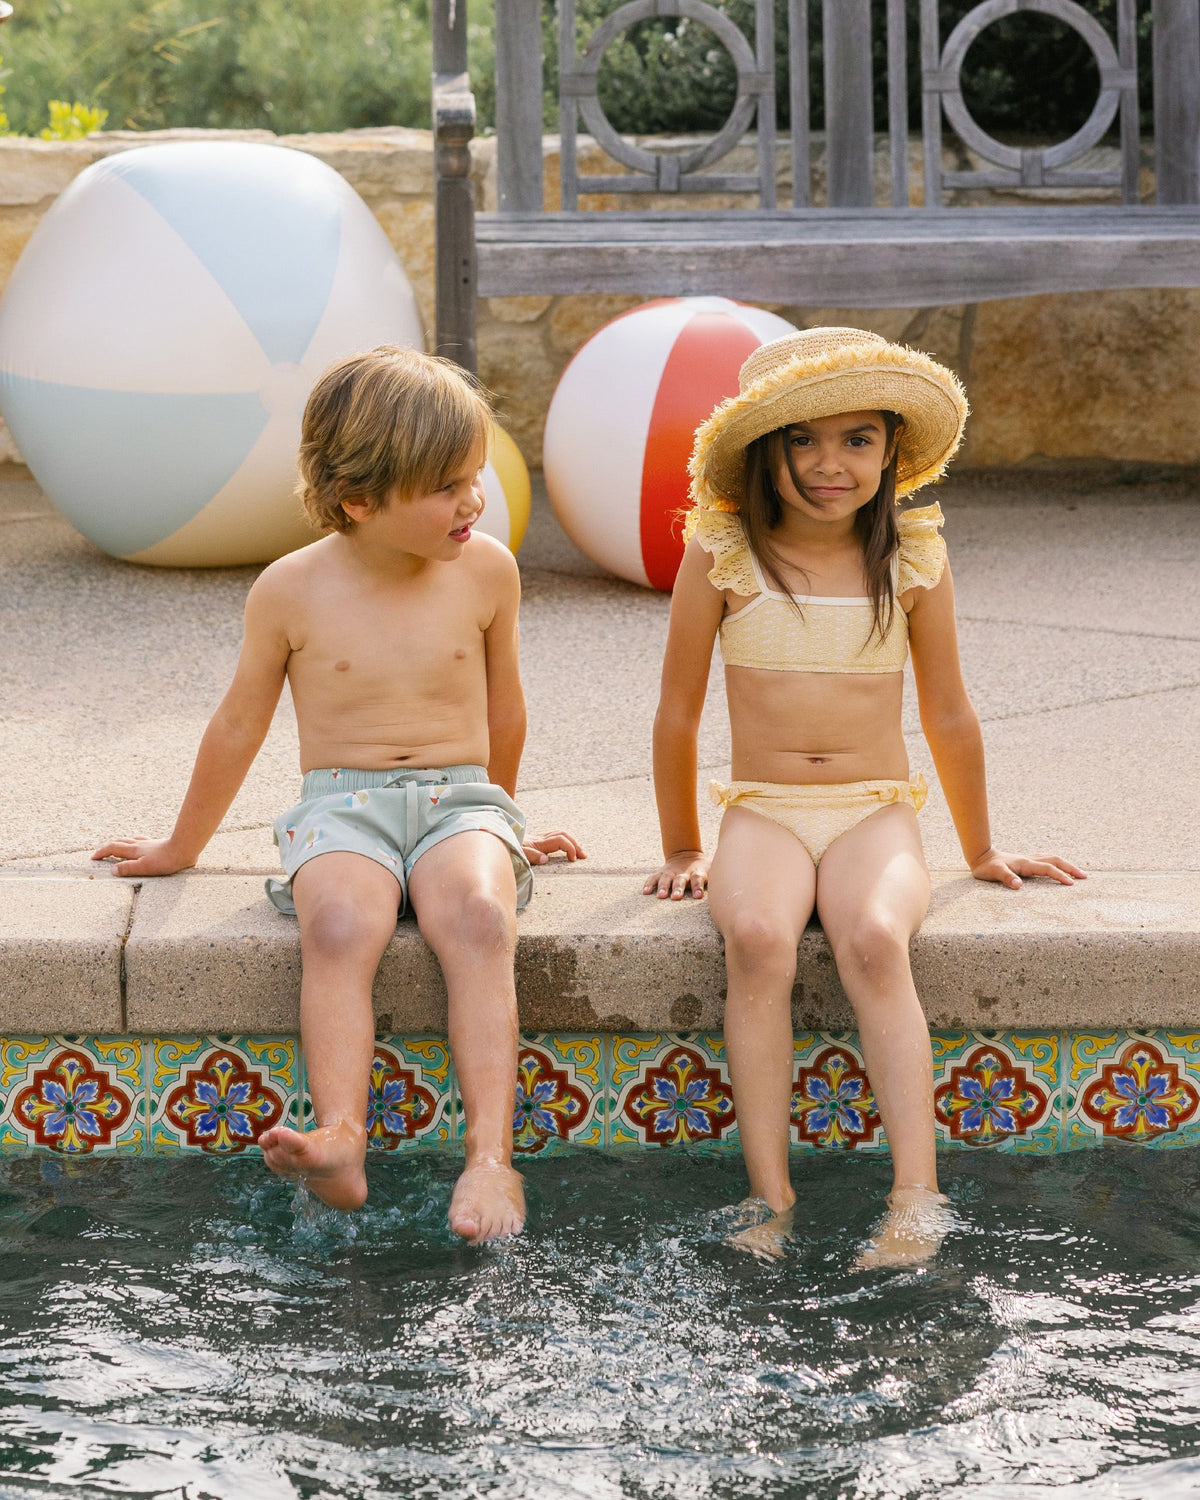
194,1329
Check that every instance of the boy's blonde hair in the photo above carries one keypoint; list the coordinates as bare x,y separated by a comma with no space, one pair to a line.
389,419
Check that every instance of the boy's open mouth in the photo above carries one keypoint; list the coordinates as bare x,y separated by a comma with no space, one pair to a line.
461,534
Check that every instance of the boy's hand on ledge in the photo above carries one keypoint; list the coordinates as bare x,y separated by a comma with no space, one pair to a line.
683,872
539,850
1007,869
144,857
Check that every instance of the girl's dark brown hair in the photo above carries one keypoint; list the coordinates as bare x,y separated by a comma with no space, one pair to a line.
761,511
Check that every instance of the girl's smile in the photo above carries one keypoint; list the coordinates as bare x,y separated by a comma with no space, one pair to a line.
832,466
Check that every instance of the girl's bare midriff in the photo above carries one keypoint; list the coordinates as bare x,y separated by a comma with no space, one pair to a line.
800,727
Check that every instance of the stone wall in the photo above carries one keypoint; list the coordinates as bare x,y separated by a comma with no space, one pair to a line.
1110,376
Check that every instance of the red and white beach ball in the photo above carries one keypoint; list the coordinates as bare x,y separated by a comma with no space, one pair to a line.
620,427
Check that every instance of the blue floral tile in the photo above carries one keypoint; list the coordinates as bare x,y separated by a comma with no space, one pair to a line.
998,1089
833,1107
1142,1088
218,1094
670,1090
409,1096
560,1093
76,1096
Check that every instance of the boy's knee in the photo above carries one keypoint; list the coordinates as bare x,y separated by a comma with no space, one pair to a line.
760,942
337,928
481,920
876,944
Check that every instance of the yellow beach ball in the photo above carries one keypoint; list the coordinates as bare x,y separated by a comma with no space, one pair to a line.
506,489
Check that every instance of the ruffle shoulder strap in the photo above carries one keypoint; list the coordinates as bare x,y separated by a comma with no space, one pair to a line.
721,534
922,553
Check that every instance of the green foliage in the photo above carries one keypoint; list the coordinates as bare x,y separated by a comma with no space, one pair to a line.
283,65
72,122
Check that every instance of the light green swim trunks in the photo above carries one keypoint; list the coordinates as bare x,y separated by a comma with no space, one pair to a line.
393,817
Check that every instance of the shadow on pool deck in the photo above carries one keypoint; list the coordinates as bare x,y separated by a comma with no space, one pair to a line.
1079,607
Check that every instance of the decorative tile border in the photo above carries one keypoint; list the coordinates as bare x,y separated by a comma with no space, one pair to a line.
670,1090
832,1104
561,1093
1140,1088
410,1099
998,1089
73,1095
218,1094
1025,1091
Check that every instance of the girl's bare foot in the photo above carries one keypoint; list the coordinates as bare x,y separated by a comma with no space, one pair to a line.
488,1202
916,1223
330,1159
767,1238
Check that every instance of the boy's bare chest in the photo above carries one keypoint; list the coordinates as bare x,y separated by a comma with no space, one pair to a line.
362,651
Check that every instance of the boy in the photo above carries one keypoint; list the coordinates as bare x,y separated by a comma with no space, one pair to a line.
397,632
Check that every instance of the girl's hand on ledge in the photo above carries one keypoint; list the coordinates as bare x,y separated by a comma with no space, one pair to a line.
539,850
1007,869
683,872
145,857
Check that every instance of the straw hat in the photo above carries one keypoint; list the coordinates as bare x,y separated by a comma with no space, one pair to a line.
818,373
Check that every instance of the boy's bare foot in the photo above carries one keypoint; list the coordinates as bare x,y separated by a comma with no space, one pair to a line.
330,1159
767,1238
916,1223
488,1202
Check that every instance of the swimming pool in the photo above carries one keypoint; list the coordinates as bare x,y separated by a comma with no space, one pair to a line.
186,1327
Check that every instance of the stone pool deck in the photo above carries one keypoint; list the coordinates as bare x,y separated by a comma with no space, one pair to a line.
1080,627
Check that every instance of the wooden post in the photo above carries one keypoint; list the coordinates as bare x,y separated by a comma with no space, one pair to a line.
764,112
848,118
454,201
897,66
1177,100
798,102
931,103
519,105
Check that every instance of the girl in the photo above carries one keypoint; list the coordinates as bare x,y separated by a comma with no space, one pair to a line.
818,587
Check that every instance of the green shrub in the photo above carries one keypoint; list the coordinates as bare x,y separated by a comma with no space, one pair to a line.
282,65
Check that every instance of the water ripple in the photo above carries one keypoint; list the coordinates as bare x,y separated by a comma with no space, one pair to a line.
198,1330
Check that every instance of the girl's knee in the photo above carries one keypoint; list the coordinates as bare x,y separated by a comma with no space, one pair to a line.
875,945
759,942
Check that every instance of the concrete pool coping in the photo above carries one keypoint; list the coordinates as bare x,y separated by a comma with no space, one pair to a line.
1090,717
207,952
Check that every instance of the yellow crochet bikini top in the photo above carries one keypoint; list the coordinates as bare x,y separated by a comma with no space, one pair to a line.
834,635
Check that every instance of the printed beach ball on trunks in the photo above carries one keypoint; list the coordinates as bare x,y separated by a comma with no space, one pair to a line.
620,427
162,331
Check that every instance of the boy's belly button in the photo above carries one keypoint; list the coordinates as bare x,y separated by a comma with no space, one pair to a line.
341,666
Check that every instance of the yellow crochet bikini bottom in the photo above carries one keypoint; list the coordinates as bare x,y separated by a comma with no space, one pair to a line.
817,813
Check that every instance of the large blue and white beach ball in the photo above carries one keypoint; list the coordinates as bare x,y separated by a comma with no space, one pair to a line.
162,331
